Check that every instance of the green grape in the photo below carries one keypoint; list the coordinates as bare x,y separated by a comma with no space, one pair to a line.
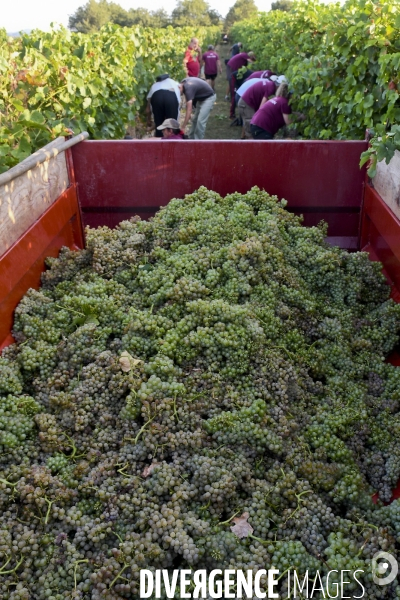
216,361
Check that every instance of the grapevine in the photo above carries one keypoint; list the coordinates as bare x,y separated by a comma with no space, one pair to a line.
58,81
342,62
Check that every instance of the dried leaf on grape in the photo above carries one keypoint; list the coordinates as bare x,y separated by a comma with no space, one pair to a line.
147,471
242,528
127,361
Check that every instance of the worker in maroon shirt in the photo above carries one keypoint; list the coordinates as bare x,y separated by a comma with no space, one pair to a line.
235,63
272,115
262,74
241,60
212,65
252,99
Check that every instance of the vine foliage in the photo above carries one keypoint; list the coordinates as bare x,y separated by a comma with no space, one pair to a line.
343,63
52,82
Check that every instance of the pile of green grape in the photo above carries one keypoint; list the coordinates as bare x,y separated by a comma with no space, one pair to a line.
217,360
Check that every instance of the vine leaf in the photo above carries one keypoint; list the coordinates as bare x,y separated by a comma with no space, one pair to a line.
127,361
242,528
147,471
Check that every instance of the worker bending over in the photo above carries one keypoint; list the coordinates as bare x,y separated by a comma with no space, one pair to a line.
272,115
199,95
254,97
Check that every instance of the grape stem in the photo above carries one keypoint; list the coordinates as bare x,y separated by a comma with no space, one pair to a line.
157,447
70,310
320,557
8,483
126,565
284,572
366,525
118,536
135,440
122,469
73,447
365,543
50,504
2,572
205,506
84,560
230,519
299,501
266,542
290,354
175,411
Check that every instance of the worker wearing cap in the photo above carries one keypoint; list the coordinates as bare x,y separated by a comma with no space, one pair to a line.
163,101
254,97
198,94
170,130
272,115
212,65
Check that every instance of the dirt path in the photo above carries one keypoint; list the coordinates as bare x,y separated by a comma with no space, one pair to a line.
219,124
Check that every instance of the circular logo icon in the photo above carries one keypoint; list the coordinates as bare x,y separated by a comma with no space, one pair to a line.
384,568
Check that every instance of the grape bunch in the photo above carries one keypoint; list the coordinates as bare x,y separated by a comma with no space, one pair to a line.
214,370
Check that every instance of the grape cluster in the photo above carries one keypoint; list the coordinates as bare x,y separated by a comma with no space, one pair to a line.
216,361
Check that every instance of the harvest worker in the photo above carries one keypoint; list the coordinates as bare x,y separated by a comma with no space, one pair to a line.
262,74
163,101
191,60
235,63
243,87
212,65
236,48
272,115
250,81
198,94
237,80
241,60
171,130
252,99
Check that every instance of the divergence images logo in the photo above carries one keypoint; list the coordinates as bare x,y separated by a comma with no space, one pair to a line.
384,568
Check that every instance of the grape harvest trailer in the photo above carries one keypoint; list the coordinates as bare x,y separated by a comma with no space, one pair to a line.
216,361
104,182
48,199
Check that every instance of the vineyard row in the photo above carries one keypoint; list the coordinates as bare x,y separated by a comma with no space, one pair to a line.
51,82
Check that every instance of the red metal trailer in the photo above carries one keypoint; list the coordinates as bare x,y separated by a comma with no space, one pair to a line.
108,181
46,203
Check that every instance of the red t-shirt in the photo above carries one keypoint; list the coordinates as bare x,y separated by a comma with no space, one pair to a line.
261,74
192,62
270,116
255,93
210,59
238,61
